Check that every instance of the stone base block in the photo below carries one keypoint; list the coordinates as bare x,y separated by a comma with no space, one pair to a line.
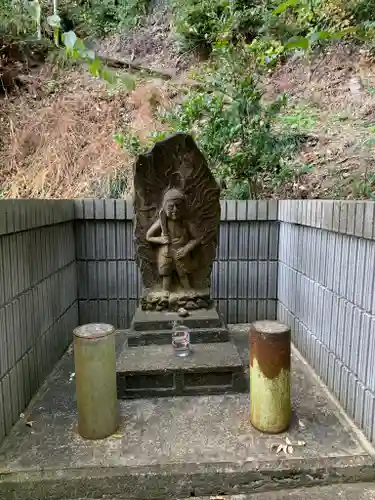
163,337
163,320
154,370
151,327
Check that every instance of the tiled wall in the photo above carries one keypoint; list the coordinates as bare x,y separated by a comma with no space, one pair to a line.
38,297
327,294
312,261
244,278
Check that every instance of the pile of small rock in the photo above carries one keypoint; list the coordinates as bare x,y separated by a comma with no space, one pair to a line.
175,301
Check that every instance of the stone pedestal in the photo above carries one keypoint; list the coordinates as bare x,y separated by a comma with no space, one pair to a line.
151,327
148,367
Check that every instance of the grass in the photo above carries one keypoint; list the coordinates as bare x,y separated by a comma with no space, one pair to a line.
336,160
302,118
59,144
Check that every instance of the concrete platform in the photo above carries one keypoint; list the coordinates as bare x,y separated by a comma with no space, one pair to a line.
360,491
155,371
152,327
179,447
154,320
163,337
146,366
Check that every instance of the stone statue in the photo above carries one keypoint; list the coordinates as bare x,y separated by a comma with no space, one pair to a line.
177,212
176,240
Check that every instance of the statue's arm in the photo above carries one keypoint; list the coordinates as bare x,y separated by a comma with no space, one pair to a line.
151,234
195,240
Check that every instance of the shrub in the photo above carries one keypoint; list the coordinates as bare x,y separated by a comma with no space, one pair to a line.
229,119
16,19
94,18
98,18
203,23
87,18
199,23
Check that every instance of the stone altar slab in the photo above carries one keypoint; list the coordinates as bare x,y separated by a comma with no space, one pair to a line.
154,371
153,327
157,320
148,367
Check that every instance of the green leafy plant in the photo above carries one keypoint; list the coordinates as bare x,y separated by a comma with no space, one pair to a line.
365,188
130,13
26,20
198,24
16,20
99,18
300,117
290,173
230,120
130,142
302,22
267,51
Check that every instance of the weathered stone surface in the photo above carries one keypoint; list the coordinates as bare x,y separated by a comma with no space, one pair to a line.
156,321
151,359
179,447
359,491
158,301
163,337
191,305
183,313
155,327
154,370
177,216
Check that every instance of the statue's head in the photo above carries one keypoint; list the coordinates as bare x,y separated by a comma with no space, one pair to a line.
173,203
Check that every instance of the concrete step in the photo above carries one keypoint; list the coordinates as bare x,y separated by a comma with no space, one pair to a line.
154,370
154,321
163,337
356,491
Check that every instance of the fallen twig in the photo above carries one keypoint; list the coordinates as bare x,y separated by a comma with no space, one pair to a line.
136,66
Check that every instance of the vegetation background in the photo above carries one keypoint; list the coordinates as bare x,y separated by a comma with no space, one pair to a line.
280,96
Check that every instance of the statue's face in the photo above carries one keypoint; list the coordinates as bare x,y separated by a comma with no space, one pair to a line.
173,209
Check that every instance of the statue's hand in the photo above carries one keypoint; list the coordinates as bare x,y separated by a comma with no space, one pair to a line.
164,240
181,253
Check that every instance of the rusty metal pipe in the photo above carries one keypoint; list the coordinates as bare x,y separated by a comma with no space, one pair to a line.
270,394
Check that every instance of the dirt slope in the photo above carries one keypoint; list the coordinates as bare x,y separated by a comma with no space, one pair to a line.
57,132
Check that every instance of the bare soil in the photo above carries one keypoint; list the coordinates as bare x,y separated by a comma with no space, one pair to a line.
58,130
332,100
152,45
